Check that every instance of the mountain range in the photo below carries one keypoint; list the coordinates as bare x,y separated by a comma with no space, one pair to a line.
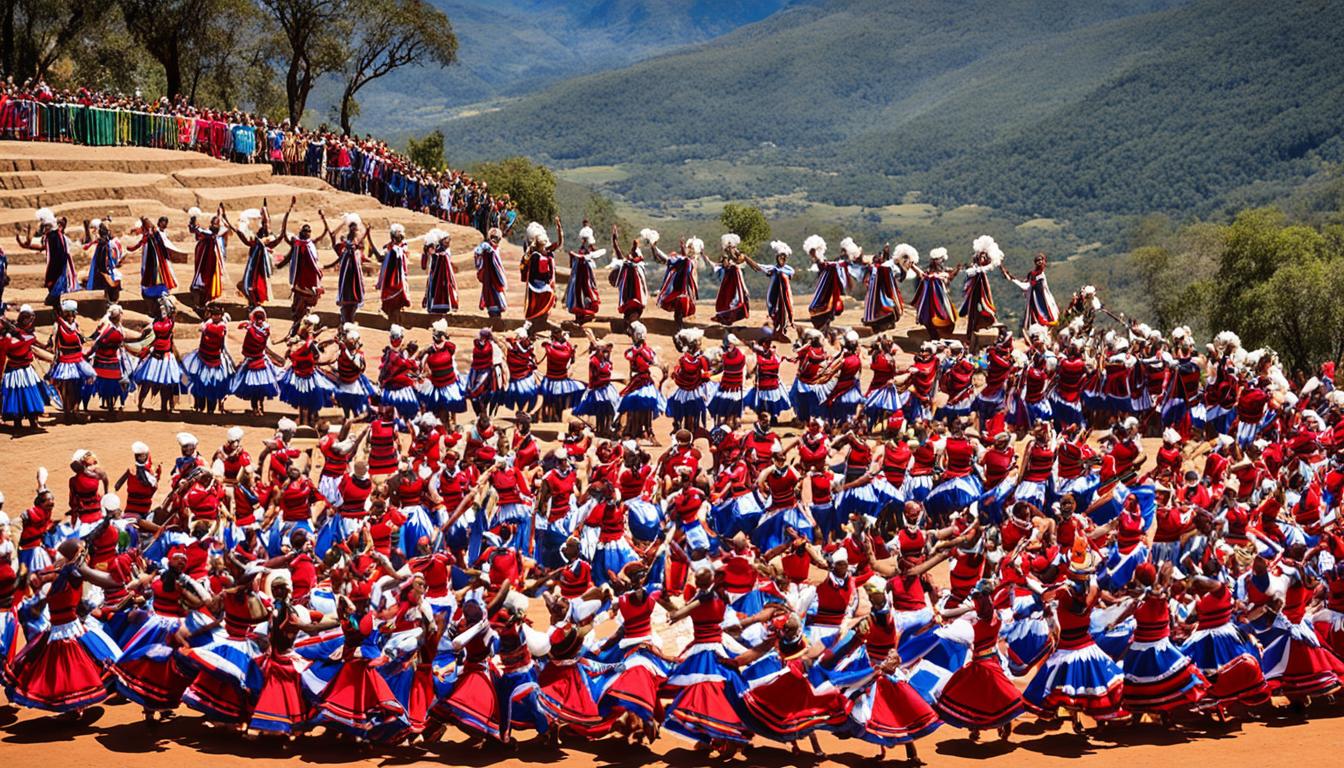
1042,108
513,47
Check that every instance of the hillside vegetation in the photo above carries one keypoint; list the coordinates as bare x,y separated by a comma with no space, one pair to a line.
1057,109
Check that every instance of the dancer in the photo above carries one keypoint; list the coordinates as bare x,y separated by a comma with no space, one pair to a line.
59,277
301,385
733,304
70,371
490,274
581,296
23,395
393,283
1040,303
600,400
933,309
156,257
352,248
207,279
679,292
257,378
641,398
977,303
828,299
104,266
256,283
305,269
882,302
538,271
627,274
779,294
559,393
441,280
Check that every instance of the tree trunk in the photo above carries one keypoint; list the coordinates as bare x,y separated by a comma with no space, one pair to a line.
172,72
292,100
305,87
347,98
7,38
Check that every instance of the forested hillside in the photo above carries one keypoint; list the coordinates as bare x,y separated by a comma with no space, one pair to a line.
1057,109
512,47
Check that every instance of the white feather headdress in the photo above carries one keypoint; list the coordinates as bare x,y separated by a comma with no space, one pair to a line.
779,247
586,235
649,236
535,232
906,251
729,240
815,244
694,246
850,248
986,245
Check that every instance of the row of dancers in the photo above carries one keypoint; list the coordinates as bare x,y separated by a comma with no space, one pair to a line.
879,276
1080,375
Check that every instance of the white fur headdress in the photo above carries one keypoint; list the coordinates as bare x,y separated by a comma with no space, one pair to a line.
694,246
193,212
907,252
780,247
397,229
693,335
1226,340
850,248
351,218
586,235
1170,435
986,245
435,236
247,218
938,254
46,216
815,244
535,232
649,236
637,329
729,240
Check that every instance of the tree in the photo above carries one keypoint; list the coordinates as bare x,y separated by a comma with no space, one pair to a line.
748,223
34,34
313,45
1256,245
427,152
201,40
528,184
391,34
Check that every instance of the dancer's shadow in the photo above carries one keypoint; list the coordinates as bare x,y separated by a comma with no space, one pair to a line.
975,750
43,730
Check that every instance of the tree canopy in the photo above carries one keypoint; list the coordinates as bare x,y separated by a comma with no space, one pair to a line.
529,185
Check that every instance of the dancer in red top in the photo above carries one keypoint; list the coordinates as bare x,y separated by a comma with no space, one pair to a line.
538,271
